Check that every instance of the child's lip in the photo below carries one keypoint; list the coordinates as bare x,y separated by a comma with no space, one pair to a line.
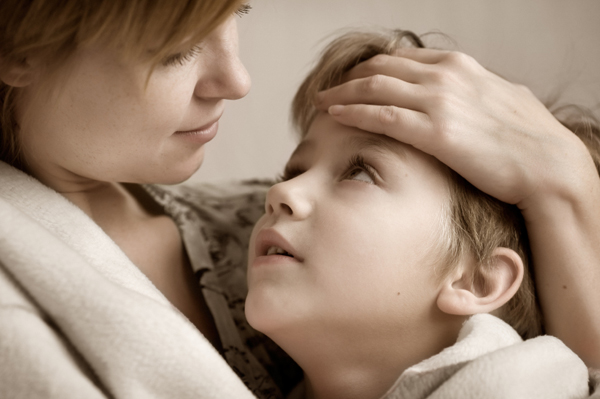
268,238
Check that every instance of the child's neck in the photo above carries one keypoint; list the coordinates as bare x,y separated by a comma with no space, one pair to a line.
349,381
359,366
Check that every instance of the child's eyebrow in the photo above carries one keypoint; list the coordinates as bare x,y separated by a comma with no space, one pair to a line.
377,142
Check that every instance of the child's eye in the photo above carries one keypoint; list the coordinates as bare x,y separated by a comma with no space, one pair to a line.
360,171
182,58
361,175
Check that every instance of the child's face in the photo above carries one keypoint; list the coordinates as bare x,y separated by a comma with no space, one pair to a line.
361,214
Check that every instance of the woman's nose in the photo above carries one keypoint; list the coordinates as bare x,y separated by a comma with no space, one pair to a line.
223,76
288,199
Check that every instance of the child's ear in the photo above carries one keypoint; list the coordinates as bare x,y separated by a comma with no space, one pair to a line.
459,296
18,74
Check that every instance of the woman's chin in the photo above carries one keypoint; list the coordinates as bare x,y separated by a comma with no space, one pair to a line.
177,173
177,178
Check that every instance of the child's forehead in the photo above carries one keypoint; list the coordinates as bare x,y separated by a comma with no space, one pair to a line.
327,134
328,139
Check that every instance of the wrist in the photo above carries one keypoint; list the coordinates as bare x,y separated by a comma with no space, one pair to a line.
571,188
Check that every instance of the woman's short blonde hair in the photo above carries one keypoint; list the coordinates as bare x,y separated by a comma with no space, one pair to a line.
475,223
50,30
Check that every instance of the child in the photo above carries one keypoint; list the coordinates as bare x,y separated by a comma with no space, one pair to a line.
373,258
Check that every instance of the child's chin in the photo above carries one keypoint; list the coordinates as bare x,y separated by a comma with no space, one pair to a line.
262,314
254,314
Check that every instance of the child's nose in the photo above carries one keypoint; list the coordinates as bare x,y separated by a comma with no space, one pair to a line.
288,199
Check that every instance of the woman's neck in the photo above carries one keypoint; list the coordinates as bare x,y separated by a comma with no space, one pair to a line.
108,204
105,203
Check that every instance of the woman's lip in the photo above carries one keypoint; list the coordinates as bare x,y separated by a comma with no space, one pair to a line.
201,128
201,135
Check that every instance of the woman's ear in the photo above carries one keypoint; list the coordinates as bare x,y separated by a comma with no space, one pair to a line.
463,295
18,74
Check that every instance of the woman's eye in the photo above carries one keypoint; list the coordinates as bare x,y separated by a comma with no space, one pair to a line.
360,175
182,58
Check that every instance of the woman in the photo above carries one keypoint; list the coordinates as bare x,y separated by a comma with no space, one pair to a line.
106,285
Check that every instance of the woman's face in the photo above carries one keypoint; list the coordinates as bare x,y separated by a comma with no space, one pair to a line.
103,123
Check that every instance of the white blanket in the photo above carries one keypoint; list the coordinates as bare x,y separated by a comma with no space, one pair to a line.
79,320
490,360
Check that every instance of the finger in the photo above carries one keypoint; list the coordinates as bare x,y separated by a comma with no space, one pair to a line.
374,90
408,126
422,55
401,68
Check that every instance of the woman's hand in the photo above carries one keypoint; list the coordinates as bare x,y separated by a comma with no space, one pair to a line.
503,140
494,133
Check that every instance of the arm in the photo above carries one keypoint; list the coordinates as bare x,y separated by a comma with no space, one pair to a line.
505,142
565,242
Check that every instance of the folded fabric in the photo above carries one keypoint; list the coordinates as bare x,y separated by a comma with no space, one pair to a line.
79,320
490,360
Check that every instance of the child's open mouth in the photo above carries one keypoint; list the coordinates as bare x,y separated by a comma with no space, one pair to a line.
278,251
270,243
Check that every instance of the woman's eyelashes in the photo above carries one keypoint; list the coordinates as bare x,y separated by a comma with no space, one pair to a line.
182,58
243,10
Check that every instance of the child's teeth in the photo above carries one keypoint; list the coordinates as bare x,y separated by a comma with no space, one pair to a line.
276,251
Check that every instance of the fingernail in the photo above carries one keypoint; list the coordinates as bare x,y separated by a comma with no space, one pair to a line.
335,109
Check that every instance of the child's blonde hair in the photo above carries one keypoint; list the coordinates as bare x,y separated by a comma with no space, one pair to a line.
476,223
50,30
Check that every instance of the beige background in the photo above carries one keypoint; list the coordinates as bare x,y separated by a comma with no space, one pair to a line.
550,45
